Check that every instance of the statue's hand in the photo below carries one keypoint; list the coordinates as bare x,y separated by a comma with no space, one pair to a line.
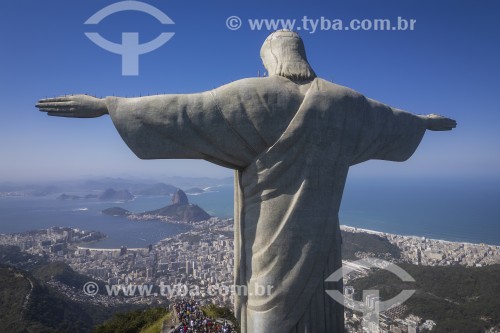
436,122
75,106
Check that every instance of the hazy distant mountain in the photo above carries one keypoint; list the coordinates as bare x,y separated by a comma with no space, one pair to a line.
157,189
65,196
107,182
114,195
159,186
181,210
29,189
139,185
41,191
202,182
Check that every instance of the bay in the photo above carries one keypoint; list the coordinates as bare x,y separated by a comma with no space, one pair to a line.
465,211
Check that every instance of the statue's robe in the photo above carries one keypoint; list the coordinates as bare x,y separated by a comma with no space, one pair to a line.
291,145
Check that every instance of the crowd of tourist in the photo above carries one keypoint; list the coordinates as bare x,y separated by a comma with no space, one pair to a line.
192,319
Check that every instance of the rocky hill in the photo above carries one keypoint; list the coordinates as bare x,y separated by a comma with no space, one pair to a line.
181,210
30,303
360,244
459,299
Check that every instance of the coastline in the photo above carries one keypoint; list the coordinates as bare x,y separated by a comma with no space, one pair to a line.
413,249
382,233
343,228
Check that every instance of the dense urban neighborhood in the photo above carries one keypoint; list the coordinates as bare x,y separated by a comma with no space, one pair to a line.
198,264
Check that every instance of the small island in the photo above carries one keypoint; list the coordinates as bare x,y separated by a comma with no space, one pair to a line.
116,211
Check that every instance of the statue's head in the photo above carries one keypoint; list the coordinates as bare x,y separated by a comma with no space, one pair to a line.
283,54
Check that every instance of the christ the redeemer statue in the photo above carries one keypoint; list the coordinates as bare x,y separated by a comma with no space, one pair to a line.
291,138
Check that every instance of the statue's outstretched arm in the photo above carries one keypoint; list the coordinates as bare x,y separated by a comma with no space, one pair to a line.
436,122
74,106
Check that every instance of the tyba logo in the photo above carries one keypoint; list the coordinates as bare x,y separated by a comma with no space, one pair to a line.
129,49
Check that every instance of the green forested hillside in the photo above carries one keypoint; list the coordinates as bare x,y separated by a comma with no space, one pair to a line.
459,299
362,242
132,321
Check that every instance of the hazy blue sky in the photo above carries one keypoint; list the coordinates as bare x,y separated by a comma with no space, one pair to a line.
448,65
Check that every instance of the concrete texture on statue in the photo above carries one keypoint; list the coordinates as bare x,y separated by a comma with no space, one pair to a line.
291,138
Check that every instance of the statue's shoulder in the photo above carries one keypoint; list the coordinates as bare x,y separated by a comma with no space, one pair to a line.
260,85
336,90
